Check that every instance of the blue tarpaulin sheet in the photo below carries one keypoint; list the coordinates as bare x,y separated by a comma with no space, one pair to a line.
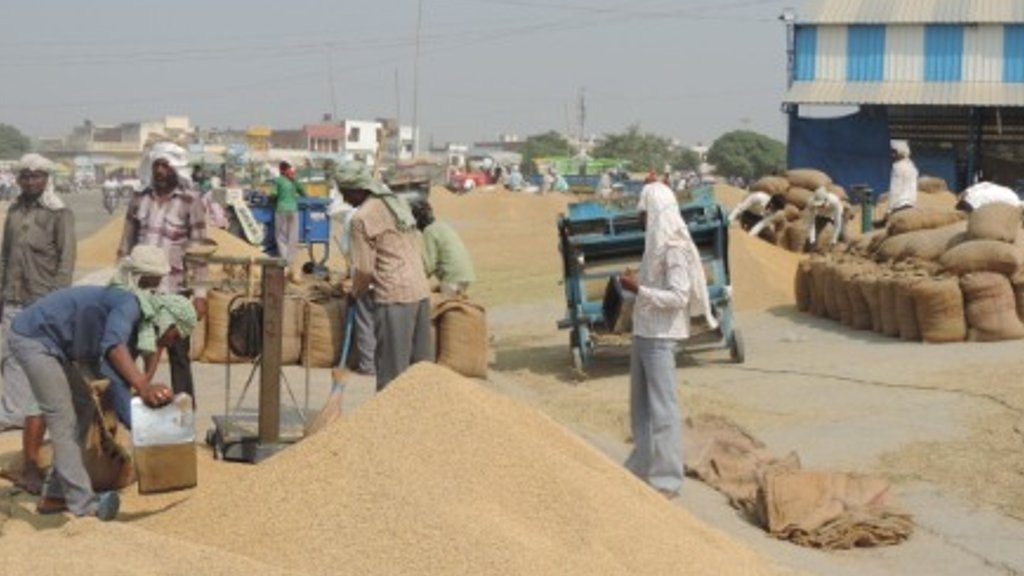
851,149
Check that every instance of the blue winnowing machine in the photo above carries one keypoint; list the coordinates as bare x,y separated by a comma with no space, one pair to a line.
597,242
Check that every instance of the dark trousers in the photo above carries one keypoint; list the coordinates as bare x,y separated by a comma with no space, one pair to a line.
181,367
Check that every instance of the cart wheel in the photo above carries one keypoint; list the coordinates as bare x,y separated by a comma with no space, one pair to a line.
736,349
577,358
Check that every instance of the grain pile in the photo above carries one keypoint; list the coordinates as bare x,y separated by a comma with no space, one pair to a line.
440,476
939,278
115,549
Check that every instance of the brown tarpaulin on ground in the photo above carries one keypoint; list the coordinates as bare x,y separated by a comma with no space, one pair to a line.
832,510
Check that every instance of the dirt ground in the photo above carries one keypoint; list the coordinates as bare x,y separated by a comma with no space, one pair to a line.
944,423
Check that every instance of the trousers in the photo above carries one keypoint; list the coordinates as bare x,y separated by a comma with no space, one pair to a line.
655,419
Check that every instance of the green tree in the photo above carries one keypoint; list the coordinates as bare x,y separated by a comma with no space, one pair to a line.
686,160
544,145
747,154
12,142
642,151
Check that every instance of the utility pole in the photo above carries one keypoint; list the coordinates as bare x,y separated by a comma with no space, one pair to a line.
582,119
398,119
416,84
330,78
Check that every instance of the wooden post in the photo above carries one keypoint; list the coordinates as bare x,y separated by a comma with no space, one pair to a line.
270,363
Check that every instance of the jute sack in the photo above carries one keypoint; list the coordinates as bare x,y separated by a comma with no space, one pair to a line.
792,213
292,327
990,307
835,304
906,312
819,268
870,288
1017,282
799,196
105,455
842,279
939,307
795,236
216,348
891,248
807,178
983,256
462,337
932,244
771,185
887,306
920,219
802,288
996,221
932,185
860,311
862,244
325,332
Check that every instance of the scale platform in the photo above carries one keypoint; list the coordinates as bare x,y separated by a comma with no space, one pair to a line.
236,439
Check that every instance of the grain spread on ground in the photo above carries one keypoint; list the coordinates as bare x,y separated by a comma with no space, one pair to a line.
438,475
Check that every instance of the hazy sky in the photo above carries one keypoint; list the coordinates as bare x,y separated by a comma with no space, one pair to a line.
686,69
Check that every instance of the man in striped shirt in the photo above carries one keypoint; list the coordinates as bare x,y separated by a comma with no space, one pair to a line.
168,213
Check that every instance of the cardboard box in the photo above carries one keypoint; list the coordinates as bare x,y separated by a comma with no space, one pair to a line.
165,468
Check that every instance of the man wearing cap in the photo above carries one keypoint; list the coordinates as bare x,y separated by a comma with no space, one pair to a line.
89,324
825,208
286,191
37,257
903,181
169,214
387,258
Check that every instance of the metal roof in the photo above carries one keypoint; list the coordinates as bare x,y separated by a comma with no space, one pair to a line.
912,12
907,93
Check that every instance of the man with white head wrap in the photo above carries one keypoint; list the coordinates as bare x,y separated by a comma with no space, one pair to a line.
169,214
88,325
903,181
37,257
670,289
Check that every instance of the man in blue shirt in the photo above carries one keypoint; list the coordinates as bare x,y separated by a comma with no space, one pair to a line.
89,324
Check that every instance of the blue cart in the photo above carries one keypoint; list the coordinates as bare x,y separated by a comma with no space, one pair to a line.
597,242
314,226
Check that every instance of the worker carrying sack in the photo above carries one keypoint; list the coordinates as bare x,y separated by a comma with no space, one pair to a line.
108,463
462,336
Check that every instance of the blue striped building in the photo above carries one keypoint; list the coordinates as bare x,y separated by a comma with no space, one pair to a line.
947,75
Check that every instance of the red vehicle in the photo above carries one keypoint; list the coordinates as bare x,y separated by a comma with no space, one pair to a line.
479,171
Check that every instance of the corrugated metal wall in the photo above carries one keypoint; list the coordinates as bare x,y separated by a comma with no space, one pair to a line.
904,60
1013,49
943,53
865,54
806,48
832,53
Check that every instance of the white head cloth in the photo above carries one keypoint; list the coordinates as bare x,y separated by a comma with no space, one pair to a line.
39,163
667,230
175,155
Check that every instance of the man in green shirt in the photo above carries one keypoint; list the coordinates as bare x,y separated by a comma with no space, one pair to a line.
444,254
286,191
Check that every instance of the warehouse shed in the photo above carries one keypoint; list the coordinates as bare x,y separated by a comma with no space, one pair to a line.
945,75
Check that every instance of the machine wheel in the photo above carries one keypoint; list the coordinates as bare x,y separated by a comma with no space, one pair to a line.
736,349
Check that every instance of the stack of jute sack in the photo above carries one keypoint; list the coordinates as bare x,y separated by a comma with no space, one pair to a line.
312,330
460,335
789,226
930,275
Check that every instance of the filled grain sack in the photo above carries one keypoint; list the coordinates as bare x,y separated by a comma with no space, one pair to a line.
860,311
990,307
197,341
819,270
799,197
920,219
995,221
325,332
1017,282
807,178
891,247
795,236
862,244
292,326
462,337
771,185
802,286
930,245
217,319
939,308
792,213
903,303
932,185
836,303
870,288
983,256
887,306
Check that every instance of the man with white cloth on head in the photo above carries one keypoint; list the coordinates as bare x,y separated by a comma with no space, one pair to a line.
670,289
903,179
